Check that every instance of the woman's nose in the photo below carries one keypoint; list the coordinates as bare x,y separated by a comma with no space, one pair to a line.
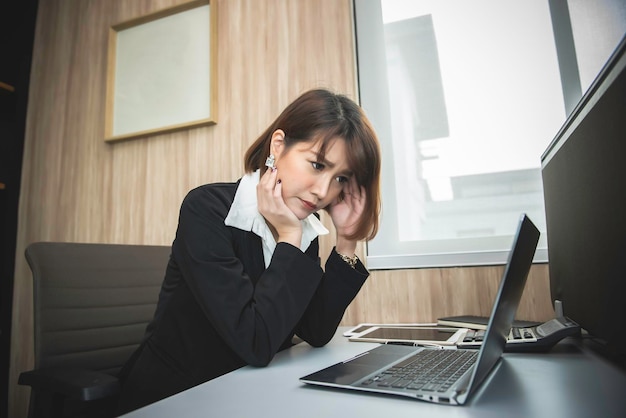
320,188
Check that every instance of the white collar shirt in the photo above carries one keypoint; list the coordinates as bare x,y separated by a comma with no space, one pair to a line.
244,215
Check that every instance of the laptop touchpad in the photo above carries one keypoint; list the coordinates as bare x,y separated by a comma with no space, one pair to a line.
360,366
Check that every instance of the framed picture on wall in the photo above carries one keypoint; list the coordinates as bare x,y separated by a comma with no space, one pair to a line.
161,72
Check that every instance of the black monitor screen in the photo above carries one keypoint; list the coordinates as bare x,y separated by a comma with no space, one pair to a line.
584,180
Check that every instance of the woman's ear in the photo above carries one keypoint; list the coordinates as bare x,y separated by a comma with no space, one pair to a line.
277,143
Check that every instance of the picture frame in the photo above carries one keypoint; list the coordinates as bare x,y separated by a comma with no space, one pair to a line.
158,67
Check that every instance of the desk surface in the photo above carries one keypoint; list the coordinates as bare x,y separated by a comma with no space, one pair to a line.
567,382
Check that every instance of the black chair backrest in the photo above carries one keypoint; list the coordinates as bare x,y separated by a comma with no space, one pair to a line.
92,302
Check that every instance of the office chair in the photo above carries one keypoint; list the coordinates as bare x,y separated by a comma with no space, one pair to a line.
92,303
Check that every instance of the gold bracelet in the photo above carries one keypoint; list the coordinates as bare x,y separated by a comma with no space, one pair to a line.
350,260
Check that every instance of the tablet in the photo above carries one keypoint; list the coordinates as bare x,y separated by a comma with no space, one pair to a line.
439,336
367,325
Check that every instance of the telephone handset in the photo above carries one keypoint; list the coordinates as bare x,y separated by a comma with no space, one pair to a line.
536,338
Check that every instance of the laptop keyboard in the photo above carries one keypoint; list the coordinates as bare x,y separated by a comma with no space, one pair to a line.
430,370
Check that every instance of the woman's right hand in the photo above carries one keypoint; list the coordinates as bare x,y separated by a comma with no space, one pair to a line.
284,224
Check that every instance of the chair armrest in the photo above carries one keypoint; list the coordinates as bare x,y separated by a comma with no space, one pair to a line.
82,384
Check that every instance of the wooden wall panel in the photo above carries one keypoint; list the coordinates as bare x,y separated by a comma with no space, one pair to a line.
391,296
76,187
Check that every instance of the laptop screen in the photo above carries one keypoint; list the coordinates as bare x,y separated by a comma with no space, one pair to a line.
507,300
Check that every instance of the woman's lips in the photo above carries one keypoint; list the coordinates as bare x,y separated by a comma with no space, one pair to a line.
310,206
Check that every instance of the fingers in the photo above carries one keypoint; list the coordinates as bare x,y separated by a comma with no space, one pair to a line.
269,194
268,181
268,177
354,193
278,189
353,188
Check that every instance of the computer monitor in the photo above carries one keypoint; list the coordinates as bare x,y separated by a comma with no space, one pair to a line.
584,181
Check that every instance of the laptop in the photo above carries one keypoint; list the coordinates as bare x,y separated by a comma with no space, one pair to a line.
397,369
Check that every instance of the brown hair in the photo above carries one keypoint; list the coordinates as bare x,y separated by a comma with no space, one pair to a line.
320,115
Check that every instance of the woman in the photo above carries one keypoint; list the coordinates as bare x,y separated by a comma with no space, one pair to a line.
244,274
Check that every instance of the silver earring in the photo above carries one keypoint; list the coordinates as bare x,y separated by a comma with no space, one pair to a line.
270,161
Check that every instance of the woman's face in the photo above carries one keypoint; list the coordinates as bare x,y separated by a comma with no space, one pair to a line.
310,183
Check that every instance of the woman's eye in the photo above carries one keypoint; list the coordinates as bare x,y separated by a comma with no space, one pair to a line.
342,179
317,165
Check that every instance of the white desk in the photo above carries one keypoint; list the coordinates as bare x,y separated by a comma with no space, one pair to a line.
566,382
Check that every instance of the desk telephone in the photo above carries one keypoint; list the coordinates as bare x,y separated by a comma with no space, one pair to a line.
526,339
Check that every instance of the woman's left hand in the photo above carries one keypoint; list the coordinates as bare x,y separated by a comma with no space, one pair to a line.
345,212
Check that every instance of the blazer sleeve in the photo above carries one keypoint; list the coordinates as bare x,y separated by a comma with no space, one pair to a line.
338,287
253,320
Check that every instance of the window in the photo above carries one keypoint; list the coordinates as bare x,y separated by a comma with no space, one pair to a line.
466,96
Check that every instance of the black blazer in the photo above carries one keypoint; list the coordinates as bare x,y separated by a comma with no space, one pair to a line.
220,308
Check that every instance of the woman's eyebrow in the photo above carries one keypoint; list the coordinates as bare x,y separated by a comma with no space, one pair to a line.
317,156
330,164
319,159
